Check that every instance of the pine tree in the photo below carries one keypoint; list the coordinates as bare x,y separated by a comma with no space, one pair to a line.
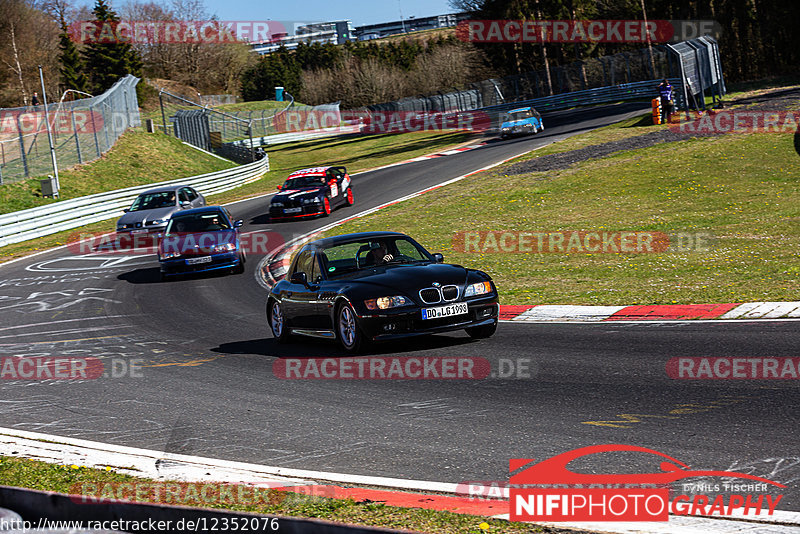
108,60
72,75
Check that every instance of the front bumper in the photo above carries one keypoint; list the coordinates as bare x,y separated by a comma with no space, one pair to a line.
307,210
176,266
407,322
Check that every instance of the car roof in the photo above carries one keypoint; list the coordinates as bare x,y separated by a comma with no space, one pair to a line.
328,242
311,171
197,211
163,188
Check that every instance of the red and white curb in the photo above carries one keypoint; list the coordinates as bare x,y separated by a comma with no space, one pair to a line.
656,312
402,493
446,153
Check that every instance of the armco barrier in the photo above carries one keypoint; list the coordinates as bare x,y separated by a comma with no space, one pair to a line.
34,506
602,95
37,222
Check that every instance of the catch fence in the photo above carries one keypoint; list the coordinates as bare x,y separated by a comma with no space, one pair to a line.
83,130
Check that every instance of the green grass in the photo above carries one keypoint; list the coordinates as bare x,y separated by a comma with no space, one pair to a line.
39,475
137,158
743,189
256,105
253,105
356,153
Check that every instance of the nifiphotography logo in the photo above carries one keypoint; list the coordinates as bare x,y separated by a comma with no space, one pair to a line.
628,497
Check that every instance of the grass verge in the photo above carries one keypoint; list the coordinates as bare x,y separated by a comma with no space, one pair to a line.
40,475
356,153
137,158
743,189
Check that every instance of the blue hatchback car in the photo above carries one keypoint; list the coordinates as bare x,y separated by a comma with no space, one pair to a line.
521,121
200,240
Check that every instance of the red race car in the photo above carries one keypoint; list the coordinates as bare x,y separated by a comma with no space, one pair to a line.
310,192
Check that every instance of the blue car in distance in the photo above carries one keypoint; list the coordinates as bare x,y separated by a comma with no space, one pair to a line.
200,240
521,121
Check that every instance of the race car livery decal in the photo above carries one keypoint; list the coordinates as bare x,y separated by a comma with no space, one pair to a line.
334,188
311,171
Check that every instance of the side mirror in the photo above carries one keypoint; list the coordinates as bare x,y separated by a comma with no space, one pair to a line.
185,204
237,224
279,188
299,278
126,210
438,257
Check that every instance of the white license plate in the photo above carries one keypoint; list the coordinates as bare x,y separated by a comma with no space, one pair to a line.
445,311
293,210
201,259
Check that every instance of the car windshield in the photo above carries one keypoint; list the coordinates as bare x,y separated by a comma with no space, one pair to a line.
519,115
198,222
368,253
301,182
154,201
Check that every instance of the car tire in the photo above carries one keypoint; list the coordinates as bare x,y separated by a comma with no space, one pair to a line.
239,269
347,331
482,332
326,207
277,321
349,200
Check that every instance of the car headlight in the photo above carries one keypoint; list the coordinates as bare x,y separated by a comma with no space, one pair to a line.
311,200
168,255
481,288
158,221
384,303
278,204
226,247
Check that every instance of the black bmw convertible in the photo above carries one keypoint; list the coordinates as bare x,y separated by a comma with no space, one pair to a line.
374,286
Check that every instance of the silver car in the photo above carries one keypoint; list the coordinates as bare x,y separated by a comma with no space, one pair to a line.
152,209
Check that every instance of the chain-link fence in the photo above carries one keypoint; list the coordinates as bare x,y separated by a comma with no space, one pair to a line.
696,62
82,131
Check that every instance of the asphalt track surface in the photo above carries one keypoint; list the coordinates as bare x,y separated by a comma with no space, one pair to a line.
206,385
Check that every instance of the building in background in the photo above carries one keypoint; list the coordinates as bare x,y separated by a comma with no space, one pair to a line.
411,24
341,31
335,32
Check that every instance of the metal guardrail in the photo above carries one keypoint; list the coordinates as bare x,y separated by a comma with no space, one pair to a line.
67,214
601,95
299,136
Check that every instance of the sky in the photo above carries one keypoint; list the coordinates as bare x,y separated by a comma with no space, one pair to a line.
359,12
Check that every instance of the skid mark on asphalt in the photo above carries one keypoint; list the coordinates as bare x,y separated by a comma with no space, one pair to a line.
436,408
626,420
784,470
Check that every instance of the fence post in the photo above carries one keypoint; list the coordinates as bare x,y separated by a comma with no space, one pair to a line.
163,115
77,142
94,130
22,148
